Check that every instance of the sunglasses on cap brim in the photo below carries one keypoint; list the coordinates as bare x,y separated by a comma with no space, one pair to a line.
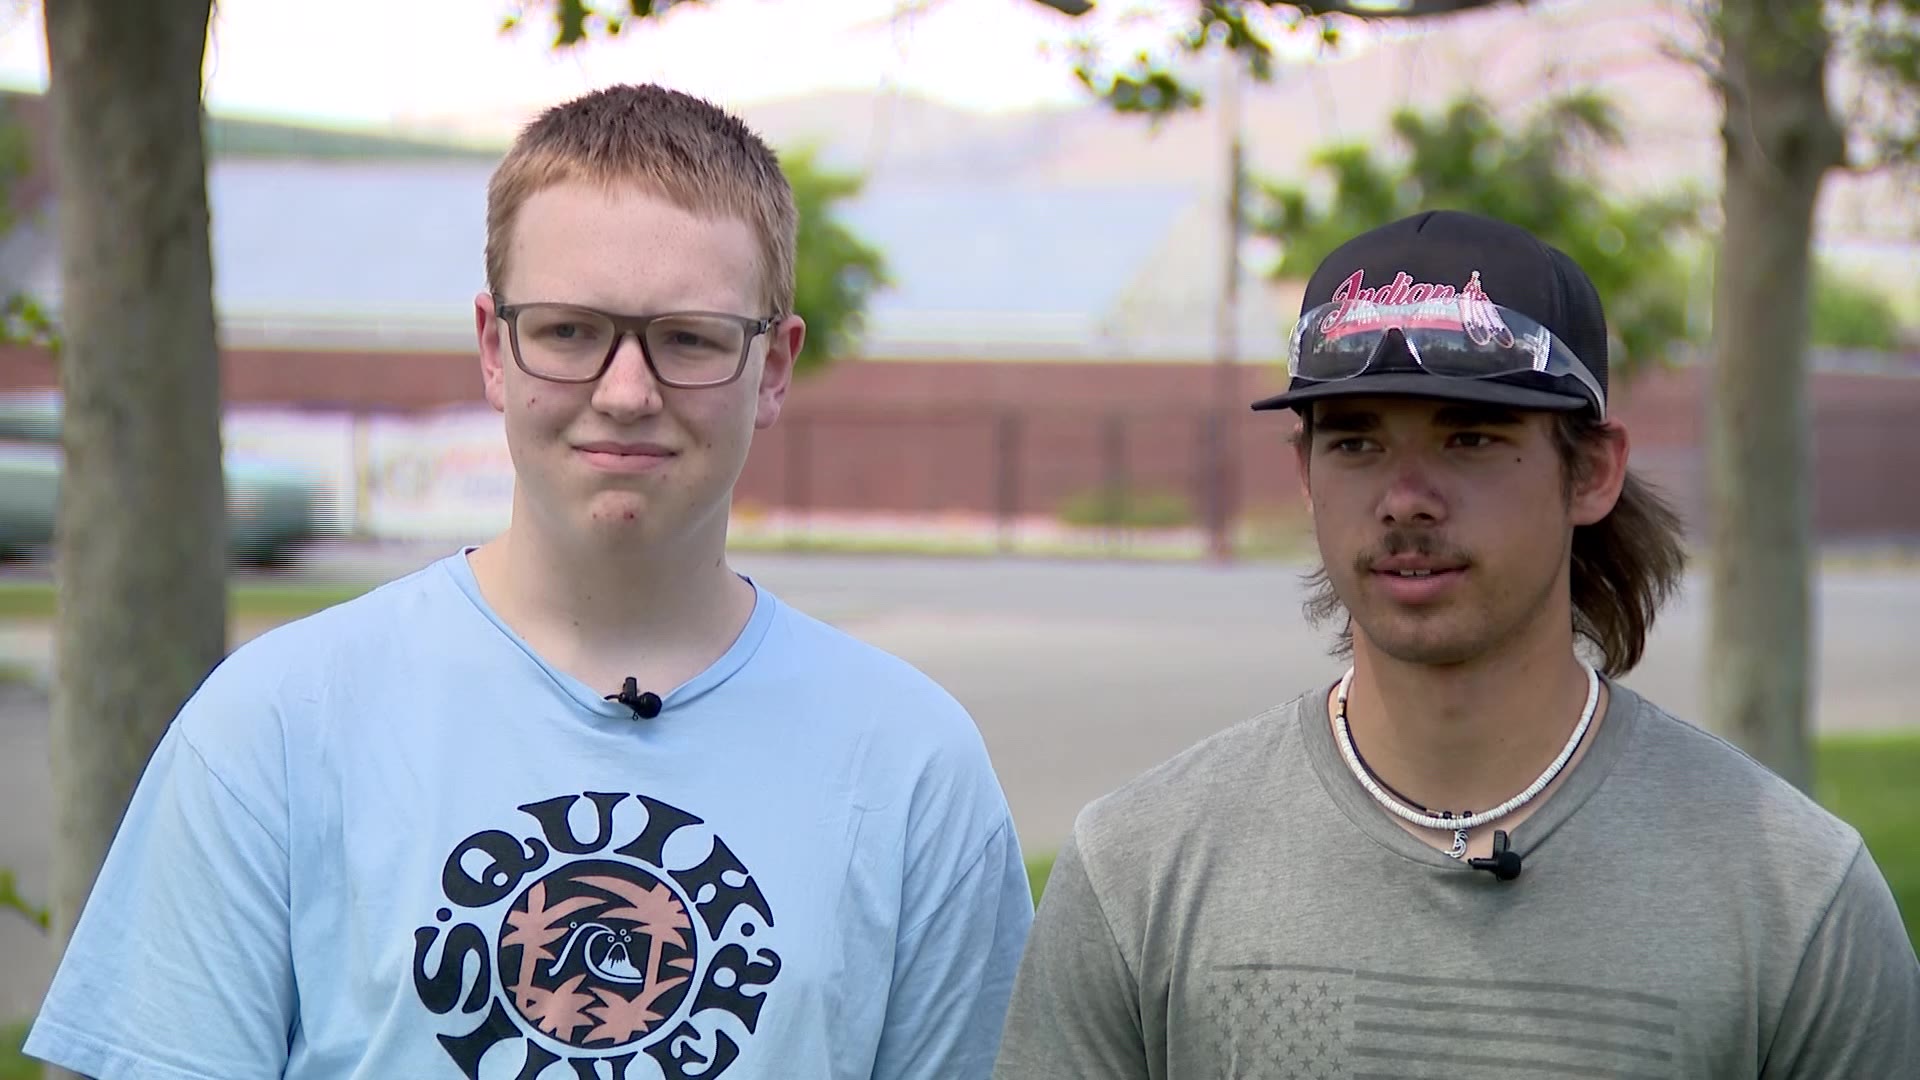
1456,338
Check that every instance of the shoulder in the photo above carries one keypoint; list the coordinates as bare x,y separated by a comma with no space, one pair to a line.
1193,796
245,703
866,683
1708,775
915,742
1818,904
1730,817
297,657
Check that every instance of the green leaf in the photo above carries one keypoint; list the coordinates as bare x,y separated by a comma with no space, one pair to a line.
571,19
1538,175
24,321
10,900
836,273
1851,312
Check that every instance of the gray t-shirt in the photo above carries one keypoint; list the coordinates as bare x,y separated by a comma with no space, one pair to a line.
1245,911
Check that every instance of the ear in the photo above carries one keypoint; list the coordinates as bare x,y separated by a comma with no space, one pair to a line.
493,351
1596,487
784,342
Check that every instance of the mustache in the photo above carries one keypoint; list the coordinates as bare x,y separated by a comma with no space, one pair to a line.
1426,545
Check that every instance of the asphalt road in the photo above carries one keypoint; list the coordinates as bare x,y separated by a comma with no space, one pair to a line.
1080,675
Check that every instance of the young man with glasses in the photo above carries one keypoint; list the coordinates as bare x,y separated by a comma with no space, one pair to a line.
581,801
1476,853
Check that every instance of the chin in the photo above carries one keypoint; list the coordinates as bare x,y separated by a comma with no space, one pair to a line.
1428,653
619,512
1430,645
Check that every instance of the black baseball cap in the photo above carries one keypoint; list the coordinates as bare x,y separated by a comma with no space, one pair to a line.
1516,271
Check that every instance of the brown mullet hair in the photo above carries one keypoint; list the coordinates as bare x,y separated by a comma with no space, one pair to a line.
1624,566
665,143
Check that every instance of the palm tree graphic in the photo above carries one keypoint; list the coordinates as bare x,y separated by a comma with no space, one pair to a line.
657,912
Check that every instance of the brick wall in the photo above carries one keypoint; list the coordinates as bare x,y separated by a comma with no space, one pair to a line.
936,436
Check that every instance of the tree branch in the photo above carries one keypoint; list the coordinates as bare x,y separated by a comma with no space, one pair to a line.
1359,9
1400,9
1878,42
1705,57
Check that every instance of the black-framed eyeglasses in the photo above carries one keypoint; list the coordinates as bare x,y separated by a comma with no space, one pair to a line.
570,343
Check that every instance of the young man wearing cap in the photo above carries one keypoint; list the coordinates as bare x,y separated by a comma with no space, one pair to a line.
581,802
1473,855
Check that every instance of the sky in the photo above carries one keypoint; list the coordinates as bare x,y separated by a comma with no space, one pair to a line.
446,63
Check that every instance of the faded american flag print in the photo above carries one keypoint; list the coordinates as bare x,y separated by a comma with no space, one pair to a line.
1288,1021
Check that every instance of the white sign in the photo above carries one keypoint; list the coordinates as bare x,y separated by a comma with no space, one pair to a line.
430,476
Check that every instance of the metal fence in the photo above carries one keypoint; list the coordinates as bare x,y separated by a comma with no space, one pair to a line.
1039,475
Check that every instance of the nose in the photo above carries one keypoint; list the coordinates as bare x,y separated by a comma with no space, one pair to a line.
1412,497
627,390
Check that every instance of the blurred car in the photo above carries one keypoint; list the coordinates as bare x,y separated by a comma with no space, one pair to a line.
273,507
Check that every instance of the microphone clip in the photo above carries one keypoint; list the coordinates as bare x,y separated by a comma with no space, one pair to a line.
1505,862
645,705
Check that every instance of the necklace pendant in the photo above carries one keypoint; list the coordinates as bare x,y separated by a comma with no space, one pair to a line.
1459,849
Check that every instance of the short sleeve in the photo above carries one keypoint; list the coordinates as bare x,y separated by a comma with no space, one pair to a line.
179,967
953,971
1854,1009
1075,1013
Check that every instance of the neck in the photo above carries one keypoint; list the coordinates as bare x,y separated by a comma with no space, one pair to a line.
662,610
1466,737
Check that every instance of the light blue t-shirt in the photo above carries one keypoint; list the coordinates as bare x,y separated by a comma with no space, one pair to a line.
387,841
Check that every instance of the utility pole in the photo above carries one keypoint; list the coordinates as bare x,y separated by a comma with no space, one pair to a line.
1222,446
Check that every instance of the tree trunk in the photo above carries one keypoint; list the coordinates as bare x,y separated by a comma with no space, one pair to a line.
140,545
1780,140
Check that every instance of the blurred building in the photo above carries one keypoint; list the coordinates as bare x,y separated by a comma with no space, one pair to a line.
1052,335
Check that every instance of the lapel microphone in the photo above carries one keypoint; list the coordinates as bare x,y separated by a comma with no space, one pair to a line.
646,705
1504,864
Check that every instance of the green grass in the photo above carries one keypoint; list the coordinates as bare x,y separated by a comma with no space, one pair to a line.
13,1064
249,600
1868,780
1038,867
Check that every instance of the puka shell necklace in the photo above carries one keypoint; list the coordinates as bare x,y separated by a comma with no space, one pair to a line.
1457,823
